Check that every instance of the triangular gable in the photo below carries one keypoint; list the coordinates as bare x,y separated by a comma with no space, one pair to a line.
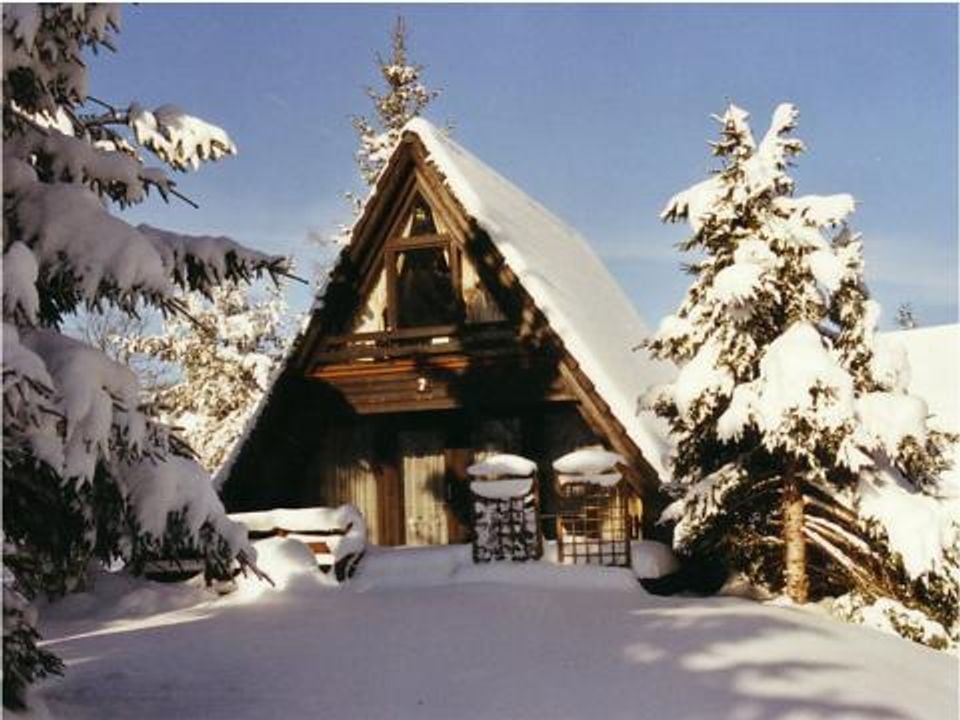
556,266
417,218
565,285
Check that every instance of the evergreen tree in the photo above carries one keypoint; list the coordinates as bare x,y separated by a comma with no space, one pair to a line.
110,330
88,474
906,317
404,97
224,352
799,452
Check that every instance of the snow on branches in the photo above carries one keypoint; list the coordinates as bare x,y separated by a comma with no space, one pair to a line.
89,474
226,350
786,404
180,140
78,252
405,97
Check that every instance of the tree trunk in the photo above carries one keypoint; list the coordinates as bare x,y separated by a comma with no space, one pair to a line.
795,578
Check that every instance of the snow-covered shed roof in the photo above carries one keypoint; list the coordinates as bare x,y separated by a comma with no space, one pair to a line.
934,355
556,266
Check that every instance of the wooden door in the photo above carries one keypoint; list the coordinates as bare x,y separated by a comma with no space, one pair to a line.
346,474
424,487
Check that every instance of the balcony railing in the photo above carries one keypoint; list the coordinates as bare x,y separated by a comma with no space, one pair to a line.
408,342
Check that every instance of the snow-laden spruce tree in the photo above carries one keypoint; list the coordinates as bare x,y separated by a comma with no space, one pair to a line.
801,460
404,97
223,352
87,474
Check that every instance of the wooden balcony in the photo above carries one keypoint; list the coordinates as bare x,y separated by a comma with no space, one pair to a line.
435,368
477,339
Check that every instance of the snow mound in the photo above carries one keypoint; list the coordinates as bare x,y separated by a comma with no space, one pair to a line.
651,559
285,561
737,283
285,557
406,567
545,575
588,461
114,595
416,567
888,616
503,466
20,272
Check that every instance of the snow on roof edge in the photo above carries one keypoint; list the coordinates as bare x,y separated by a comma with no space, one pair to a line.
568,282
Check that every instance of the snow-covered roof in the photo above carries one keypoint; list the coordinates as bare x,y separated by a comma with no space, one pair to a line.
934,356
588,461
582,302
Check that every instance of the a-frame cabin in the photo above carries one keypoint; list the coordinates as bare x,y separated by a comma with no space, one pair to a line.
461,319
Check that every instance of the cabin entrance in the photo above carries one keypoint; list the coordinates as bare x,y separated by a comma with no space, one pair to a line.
425,494
406,472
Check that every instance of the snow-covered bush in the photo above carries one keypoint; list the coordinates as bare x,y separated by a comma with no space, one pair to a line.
224,352
801,460
88,474
889,616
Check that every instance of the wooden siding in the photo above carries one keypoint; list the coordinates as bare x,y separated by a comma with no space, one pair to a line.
517,366
447,382
436,368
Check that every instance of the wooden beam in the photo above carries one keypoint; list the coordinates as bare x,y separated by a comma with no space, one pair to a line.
390,268
416,242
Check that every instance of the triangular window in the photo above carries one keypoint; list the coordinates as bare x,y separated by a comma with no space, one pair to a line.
421,219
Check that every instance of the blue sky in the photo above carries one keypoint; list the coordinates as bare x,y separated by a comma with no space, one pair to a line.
600,112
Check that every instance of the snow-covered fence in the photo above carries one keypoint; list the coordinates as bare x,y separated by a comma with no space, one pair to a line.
337,536
505,517
593,522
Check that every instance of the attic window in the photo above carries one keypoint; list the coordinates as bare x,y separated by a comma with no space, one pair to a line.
425,294
421,219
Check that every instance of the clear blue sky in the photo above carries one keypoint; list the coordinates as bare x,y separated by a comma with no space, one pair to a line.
599,112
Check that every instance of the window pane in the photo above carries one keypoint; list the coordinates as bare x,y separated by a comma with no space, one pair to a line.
421,220
424,288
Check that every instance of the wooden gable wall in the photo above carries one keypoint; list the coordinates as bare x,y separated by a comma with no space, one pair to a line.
519,363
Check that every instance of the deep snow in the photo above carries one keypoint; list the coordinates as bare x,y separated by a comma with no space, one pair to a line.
426,634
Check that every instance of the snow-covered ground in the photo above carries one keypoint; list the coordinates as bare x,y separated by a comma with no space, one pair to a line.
427,634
